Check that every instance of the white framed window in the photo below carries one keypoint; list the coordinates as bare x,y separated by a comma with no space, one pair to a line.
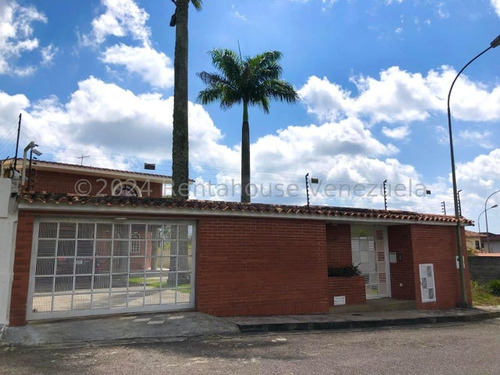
427,284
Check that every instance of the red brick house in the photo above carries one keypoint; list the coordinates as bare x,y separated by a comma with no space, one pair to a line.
89,255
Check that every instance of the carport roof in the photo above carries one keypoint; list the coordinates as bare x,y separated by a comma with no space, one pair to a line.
194,207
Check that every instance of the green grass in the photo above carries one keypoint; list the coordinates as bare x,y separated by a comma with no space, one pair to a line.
154,282
481,295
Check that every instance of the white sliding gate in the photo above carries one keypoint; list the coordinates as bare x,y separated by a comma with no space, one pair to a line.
85,267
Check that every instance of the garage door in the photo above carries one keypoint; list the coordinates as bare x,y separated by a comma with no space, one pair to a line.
84,267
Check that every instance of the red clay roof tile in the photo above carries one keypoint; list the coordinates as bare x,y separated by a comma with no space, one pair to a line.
223,206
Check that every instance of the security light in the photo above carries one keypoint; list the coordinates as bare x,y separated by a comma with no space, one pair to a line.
496,42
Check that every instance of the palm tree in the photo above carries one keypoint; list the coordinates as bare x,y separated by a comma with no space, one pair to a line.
250,81
180,137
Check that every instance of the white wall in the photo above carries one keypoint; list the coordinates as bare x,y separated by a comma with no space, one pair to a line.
494,246
8,227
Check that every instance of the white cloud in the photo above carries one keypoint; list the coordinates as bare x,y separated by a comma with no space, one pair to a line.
442,135
48,54
114,126
120,129
482,172
442,12
237,14
496,5
10,107
399,30
154,67
16,36
401,132
478,179
482,139
398,96
122,18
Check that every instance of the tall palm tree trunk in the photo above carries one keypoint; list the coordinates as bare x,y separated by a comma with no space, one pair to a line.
180,141
245,156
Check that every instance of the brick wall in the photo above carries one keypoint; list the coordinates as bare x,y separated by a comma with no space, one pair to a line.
438,245
353,288
22,259
402,279
261,266
265,266
55,182
338,242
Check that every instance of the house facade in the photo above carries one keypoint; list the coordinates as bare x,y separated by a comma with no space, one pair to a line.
87,255
475,242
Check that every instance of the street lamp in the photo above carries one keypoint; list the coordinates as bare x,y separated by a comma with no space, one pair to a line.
479,223
486,218
463,290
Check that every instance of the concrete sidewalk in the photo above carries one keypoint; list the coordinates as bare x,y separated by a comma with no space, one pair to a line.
180,326
362,319
145,328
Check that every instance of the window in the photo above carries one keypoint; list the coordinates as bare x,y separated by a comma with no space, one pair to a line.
477,245
135,246
126,189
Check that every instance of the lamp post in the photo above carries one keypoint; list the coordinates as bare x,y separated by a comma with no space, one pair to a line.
486,218
479,223
463,289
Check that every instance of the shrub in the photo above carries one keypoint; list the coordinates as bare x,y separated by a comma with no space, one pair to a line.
481,295
348,271
494,287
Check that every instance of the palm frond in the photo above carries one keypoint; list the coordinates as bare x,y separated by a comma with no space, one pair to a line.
228,63
210,95
281,90
212,79
197,4
254,80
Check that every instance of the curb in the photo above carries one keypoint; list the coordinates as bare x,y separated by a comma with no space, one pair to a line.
357,324
3,328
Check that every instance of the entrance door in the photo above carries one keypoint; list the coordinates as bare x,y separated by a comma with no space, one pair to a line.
370,253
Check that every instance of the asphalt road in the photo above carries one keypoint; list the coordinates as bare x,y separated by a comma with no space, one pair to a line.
468,348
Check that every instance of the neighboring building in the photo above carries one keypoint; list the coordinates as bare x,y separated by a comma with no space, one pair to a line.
81,180
86,255
494,242
475,241
482,242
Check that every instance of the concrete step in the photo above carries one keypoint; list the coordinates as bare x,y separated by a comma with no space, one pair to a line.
382,304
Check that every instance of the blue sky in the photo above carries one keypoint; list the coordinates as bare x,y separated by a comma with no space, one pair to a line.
96,78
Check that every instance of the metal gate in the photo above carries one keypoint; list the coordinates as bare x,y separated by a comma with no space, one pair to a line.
370,253
84,267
